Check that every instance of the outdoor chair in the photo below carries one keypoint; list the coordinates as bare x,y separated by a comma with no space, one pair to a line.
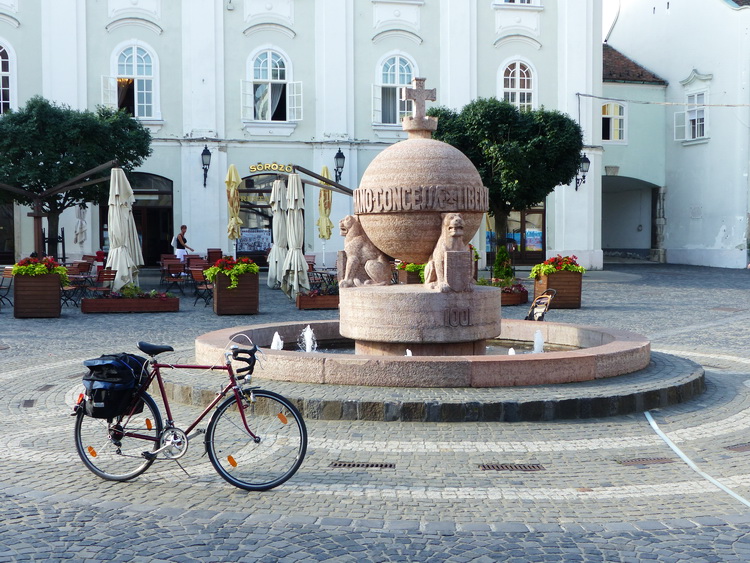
310,259
73,292
175,276
104,280
540,305
163,268
213,254
6,285
203,288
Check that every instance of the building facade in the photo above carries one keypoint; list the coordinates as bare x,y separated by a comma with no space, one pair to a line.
694,143
268,84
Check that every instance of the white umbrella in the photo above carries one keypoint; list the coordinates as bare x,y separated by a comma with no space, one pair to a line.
279,248
124,247
233,181
79,235
325,225
295,266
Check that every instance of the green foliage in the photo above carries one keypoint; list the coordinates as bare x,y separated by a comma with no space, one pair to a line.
521,156
502,268
43,145
40,266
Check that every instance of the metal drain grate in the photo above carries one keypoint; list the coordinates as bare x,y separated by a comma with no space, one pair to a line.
362,465
46,387
511,467
646,461
739,447
28,403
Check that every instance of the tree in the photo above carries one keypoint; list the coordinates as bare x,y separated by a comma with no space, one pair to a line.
44,145
522,156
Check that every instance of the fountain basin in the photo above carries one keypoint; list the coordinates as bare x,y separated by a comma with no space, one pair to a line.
602,353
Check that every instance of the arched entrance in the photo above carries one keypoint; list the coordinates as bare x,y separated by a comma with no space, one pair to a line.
630,208
152,213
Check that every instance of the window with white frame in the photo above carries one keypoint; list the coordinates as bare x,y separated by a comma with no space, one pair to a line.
133,86
4,80
613,122
387,105
518,83
270,95
692,124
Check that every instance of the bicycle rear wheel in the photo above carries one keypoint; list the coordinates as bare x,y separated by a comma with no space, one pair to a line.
113,449
263,463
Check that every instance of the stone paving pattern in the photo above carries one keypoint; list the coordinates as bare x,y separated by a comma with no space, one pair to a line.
589,501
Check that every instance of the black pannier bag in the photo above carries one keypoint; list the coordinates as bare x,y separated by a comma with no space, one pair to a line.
110,383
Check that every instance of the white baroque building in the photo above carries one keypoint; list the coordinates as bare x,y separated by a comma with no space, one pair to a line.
267,84
684,140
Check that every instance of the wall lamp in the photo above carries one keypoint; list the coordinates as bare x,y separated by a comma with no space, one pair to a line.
206,161
583,168
339,160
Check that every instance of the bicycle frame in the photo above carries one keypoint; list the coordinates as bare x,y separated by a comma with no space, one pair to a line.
155,373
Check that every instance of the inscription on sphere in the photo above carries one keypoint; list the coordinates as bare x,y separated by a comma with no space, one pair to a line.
395,199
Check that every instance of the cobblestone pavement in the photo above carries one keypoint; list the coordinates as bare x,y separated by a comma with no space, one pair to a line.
604,489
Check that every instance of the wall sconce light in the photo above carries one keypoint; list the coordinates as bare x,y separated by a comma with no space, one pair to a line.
339,160
206,160
583,168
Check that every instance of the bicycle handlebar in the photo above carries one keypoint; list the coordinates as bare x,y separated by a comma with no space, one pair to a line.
235,353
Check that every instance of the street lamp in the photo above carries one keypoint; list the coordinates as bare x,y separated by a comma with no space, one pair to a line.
339,160
584,168
206,160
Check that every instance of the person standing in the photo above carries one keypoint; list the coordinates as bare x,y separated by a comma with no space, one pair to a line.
182,246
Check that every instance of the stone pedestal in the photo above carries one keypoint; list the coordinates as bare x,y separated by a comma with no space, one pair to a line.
388,320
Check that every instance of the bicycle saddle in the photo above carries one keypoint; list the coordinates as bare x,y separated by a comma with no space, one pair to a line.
153,349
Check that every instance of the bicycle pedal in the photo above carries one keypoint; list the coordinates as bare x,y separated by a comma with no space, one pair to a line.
149,455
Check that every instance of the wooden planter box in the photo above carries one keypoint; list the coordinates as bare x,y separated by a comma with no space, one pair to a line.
509,299
408,277
317,301
242,300
134,305
36,296
567,285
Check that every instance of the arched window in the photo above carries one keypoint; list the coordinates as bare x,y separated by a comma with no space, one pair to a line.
396,72
518,85
133,87
613,122
4,80
269,95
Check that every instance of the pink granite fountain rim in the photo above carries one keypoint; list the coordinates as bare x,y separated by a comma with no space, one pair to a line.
601,353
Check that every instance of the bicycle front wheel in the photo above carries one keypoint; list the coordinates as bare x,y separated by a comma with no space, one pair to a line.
113,449
269,459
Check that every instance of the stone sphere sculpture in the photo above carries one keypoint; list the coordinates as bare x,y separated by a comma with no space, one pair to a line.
405,190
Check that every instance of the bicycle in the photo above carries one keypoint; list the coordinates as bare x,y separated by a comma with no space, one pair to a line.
255,447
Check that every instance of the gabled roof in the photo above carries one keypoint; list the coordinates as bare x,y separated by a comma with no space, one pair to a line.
618,68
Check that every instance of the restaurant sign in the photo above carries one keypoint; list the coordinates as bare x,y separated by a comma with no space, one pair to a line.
271,167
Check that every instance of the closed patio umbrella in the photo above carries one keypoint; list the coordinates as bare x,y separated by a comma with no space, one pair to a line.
325,225
124,246
79,235
279,247
295,266
233,182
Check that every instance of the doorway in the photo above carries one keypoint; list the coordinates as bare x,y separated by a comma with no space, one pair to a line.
526,236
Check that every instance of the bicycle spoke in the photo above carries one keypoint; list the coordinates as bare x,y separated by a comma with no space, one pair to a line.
267,462
110,451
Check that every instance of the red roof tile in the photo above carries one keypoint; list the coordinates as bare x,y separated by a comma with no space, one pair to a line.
619,68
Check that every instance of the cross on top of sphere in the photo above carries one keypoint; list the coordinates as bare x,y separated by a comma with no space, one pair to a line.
419,125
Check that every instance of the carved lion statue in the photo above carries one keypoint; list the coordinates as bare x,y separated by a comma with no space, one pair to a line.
451,238
365,264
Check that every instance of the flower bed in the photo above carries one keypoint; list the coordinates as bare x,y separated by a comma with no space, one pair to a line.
36,287
131,299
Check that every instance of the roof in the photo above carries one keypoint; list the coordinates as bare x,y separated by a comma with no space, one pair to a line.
619,68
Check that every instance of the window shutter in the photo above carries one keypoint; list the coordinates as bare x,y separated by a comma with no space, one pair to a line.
377,104
246,100
109,92
680,126
294,101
